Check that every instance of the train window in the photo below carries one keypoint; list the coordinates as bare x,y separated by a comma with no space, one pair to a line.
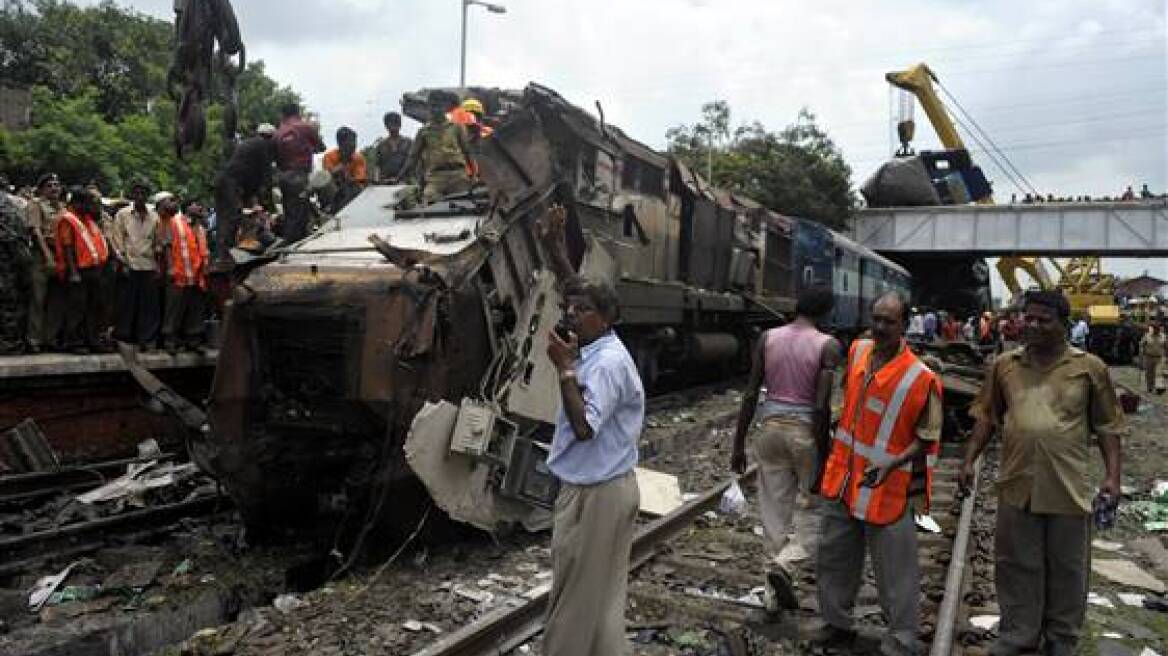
839,255
652,180
845,282
630,169
808,275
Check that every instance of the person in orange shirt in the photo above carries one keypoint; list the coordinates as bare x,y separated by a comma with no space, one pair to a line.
183,264
82,252
470,115
347,167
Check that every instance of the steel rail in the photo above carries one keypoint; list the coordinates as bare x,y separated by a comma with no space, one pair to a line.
19,552
505,629
18,487
950,606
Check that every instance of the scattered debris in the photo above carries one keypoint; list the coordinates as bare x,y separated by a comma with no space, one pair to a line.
149,449
286,603
477,596
1131,599
413,626
927,524
1127,573
138,478
733,500
23,449
1104,545
46,586
985,622
1099,600
660,492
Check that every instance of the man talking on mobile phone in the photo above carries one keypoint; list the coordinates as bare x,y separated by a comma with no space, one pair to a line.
593,453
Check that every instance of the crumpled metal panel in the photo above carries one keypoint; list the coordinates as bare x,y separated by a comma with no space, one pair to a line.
462,487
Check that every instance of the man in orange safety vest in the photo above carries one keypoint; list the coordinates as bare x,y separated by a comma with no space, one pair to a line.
185,260
81,255
878,474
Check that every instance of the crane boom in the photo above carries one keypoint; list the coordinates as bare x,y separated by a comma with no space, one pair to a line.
918,80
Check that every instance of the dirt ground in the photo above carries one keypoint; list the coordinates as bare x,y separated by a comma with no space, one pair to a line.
1145,461
433,588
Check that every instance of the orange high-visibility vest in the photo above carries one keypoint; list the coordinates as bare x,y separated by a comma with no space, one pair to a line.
879,423
204,255
185,258
88,242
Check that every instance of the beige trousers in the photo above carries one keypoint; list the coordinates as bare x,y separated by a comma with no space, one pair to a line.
592,532
1152,373
785,448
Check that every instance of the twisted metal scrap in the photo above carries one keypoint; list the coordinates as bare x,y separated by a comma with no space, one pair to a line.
198,65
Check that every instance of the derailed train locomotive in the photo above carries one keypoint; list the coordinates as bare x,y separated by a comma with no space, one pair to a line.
347,368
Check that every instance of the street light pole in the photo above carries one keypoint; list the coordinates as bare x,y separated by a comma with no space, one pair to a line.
462,58
494,9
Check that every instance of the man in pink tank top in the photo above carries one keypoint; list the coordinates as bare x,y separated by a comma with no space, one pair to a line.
797,362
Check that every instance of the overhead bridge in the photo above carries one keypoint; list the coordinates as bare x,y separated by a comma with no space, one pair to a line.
1136,229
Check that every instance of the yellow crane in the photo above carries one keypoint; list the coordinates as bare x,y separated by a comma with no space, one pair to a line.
1090,292
918,81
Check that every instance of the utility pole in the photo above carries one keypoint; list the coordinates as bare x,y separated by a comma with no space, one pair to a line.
494,9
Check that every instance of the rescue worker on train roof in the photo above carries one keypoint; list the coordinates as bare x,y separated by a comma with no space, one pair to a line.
877,476
440,149
1046,400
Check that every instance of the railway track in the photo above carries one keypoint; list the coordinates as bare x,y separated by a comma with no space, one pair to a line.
53,526
694,578
19,490
26,552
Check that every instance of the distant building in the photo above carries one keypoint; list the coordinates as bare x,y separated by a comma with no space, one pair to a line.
1144,285
15,108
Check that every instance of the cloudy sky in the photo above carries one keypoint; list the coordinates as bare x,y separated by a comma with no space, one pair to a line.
1074,92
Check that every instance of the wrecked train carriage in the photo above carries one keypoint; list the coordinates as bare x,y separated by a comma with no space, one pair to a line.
342,363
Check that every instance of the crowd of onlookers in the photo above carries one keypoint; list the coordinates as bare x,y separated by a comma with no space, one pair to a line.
1128,195
1142,343
134,271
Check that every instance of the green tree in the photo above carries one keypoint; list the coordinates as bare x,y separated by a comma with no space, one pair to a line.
100,107
797,171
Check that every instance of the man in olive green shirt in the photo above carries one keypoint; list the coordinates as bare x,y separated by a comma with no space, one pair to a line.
46,300
440,149
1046,400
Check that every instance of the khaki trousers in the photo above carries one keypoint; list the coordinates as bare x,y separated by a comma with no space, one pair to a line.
592,532
1152,372
444,183
785,448
840,568
1041,568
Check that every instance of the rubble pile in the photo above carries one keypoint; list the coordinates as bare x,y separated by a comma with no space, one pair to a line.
144,485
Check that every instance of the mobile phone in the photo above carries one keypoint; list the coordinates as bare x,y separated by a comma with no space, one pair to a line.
563,332
869,479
